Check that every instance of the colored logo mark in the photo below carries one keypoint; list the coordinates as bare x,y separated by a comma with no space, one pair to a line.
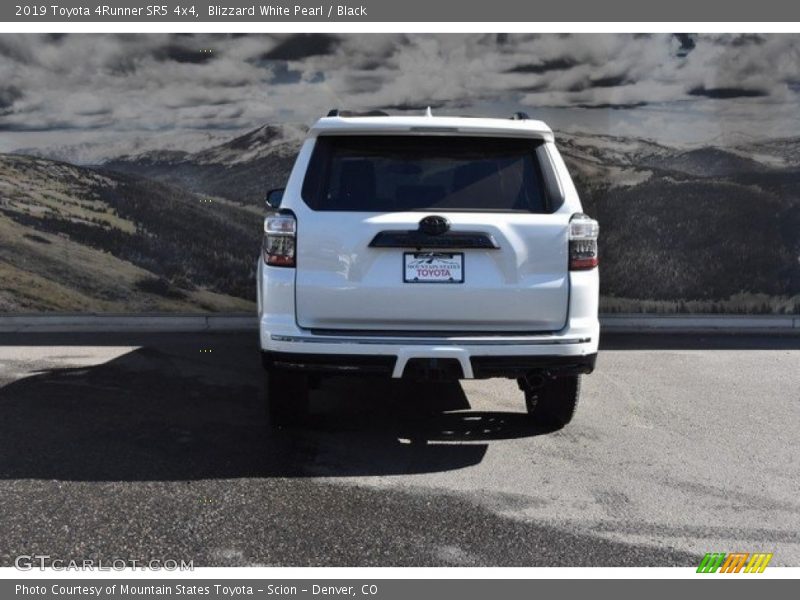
734,562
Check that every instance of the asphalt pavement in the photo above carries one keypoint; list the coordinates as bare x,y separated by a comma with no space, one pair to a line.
126,446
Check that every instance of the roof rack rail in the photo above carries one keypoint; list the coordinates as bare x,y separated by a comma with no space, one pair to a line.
352,113
520,116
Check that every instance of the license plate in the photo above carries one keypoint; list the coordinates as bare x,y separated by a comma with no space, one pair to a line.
433,267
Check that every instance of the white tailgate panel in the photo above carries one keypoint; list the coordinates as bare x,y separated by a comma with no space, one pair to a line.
342,283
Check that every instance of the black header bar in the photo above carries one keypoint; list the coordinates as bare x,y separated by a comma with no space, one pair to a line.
440,11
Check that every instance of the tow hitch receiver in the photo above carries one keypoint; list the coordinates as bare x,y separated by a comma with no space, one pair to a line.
433,369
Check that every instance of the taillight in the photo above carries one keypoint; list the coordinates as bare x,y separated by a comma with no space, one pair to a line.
583,232
280,234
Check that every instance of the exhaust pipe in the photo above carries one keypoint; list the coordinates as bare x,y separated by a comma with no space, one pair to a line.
531,381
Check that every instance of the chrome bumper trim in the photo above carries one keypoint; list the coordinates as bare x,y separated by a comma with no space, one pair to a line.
495,341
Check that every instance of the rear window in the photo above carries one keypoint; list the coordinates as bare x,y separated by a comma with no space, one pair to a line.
408,173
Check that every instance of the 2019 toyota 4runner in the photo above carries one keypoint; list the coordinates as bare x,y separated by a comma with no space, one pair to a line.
429,248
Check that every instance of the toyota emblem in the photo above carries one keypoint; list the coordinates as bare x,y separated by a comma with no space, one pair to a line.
434,225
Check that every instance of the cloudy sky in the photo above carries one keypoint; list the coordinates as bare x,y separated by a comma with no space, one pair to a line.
59,89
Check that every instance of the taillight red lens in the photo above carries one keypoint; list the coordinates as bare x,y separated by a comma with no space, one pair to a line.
280,236
583,233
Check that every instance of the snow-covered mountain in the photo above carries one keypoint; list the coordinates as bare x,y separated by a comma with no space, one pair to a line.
265,142
259,143
606,160
780,152
624,161
110,147
241,169
244,166
708,161
610,149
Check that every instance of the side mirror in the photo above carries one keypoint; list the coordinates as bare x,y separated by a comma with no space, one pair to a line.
274,198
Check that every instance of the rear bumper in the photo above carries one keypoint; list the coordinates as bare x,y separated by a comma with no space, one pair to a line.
398,354
449,357
480,367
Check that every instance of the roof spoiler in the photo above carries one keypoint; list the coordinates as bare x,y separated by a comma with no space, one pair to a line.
352,113
335,112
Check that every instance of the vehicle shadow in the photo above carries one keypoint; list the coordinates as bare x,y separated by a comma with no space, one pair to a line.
194,409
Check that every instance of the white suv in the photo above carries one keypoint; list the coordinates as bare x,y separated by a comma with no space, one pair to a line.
429,248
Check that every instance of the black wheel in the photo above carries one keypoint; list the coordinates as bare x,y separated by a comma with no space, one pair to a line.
286,397
552,405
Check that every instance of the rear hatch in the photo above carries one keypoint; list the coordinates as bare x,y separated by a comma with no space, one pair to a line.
425,233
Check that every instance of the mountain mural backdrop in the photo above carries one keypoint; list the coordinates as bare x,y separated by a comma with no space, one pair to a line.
133,167
707,229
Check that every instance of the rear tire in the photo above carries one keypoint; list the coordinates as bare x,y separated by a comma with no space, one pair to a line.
286,397
553,404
